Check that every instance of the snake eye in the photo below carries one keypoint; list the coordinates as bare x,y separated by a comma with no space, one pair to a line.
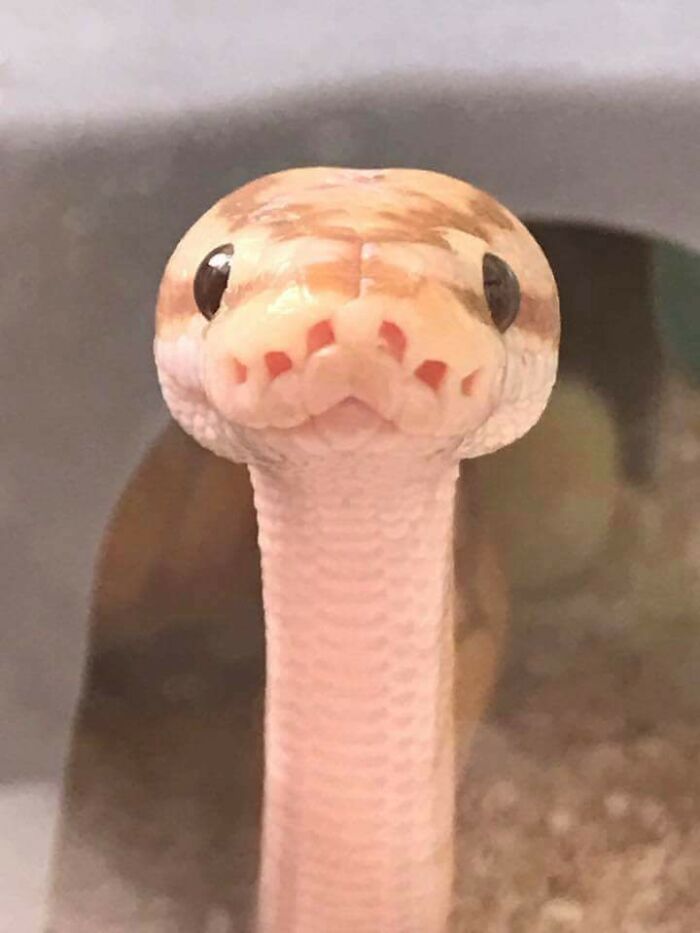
502,291
211,279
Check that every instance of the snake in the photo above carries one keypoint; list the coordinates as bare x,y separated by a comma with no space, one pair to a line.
356,337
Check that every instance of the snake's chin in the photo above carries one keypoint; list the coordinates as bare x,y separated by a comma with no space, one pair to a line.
350,427
351,424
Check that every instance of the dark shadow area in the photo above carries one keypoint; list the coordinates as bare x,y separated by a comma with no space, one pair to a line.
610,337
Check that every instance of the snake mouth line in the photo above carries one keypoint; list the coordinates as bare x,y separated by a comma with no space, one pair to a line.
349,424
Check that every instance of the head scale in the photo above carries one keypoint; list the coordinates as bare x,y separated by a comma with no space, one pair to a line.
308,293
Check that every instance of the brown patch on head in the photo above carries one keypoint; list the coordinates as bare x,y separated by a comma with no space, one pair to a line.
489,212
175,299
391,205
473,300
388,208
426,218
237,206
293,219
395,227
436,213
536,315
341,276
385,277
292,230
294,193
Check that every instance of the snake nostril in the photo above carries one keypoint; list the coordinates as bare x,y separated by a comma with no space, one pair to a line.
319,336
431,372
277,363
393,338
469,383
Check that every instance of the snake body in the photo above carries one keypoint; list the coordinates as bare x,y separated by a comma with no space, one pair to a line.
352,335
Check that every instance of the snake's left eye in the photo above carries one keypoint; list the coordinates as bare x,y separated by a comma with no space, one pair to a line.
502,291
211,279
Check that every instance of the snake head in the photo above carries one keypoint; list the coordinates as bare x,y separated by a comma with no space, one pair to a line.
326,297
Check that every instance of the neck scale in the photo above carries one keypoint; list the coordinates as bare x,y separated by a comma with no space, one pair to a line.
359,785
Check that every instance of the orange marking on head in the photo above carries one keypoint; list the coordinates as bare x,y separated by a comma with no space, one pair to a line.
380,276
292,229
408,233
340,275
431,372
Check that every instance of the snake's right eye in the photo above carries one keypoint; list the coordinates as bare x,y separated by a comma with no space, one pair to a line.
212,278
502,291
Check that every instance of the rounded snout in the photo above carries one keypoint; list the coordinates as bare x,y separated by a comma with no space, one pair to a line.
425,380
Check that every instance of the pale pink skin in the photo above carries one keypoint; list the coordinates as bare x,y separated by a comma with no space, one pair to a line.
345,372
359,744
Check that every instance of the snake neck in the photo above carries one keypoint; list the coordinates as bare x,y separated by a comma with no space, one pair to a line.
357,559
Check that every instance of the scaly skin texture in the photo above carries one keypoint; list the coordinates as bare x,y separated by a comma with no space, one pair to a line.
352,362
359,731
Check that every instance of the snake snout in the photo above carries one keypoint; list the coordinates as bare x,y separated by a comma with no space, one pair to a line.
378,362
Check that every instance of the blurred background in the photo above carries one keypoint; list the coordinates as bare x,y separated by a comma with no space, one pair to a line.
118,127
